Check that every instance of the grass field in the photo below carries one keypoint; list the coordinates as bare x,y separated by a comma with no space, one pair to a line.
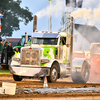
4,71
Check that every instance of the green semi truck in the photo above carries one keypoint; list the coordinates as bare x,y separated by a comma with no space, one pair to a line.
25,39
48,56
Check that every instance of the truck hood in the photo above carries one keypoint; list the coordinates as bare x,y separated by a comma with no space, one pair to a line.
48,51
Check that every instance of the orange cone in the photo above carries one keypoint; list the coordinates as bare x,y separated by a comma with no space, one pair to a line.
45,82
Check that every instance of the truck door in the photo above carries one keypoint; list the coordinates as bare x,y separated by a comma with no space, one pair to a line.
62,50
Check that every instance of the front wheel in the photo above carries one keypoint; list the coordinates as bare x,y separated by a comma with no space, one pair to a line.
17,78
53,74
83,76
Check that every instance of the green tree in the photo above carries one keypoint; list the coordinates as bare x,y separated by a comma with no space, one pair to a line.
13,15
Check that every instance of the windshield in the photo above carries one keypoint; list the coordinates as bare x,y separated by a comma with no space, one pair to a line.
49,41
23,40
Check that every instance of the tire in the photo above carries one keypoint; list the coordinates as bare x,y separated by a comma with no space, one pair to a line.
17,78
83,76
53,73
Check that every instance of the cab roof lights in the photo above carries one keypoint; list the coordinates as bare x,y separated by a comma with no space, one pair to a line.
46,31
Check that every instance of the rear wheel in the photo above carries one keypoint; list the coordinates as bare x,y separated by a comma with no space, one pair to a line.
17,78
83,76
53,73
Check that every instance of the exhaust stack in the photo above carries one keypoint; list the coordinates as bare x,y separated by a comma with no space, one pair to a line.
71,47
34,23
26,38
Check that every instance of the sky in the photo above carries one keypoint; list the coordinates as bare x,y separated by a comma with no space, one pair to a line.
89,14
42,6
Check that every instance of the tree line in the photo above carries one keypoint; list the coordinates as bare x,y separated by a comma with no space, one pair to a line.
13,14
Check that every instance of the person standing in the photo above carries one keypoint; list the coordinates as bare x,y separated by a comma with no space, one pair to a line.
9,51
3,54
1,47
16,52
5,51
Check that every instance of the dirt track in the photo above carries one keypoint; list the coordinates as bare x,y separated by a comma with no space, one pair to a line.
29,83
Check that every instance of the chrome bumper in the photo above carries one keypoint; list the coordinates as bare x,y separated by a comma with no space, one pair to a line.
29,71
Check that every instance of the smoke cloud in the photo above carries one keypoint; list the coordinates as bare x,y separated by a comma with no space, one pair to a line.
56,8
85,13
96,15
93,16
90,13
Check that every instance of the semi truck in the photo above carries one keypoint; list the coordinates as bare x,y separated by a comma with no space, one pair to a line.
22,41
50,55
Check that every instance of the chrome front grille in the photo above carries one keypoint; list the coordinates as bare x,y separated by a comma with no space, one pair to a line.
30,56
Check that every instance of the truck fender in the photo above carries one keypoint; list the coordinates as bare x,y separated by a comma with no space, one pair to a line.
77,64
61,68
51,61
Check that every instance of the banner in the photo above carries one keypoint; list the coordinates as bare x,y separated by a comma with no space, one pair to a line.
0,24
1,15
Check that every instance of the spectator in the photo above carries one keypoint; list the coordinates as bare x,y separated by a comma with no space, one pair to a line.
3,54
9,51
16,52
0,39
5,51
3,43
1,47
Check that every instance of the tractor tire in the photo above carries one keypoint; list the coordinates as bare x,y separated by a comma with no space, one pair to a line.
53,73
17,78
83,76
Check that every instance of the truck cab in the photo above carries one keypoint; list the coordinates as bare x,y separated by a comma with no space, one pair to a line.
48,55
53,45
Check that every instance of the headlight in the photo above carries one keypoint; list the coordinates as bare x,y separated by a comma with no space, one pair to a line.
44,60
16,59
